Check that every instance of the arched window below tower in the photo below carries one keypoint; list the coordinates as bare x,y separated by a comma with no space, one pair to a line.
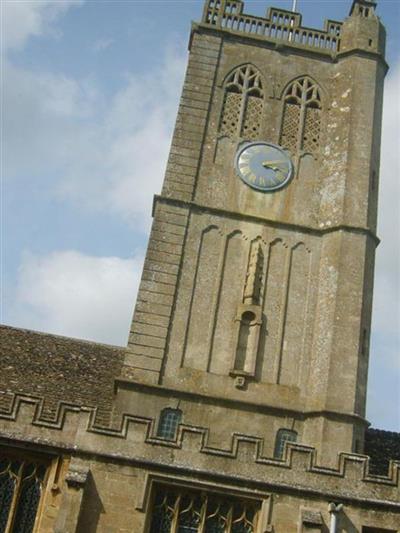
283,435
169,422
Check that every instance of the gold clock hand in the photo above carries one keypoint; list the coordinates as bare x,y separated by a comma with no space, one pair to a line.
269,163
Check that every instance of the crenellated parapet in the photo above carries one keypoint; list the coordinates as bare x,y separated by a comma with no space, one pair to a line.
279,25
133,438
361,30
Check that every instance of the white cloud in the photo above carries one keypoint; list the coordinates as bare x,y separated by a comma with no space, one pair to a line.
102,154
102,44
25,19
73,294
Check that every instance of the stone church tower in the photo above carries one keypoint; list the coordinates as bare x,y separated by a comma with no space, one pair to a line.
263,297
238,405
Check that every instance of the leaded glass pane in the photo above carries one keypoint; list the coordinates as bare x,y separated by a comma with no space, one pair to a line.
243,519
217,516
284,435
7,487
163,512
169,421
189,514
28,500
20,490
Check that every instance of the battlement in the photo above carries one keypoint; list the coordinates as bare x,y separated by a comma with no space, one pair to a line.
133,438
279,25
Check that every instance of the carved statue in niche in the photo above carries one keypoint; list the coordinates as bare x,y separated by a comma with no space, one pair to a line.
249,319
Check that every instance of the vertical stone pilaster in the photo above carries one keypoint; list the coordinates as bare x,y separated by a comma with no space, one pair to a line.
156,296
191,123
153,311
76,479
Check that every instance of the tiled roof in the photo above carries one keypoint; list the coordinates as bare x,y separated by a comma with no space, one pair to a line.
57,369
381,446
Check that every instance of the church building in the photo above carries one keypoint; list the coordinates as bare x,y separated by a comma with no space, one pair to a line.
238,405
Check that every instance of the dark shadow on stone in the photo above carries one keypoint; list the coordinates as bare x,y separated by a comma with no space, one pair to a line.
91,508
261,349
345,524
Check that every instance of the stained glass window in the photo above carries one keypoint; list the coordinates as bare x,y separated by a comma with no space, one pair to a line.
283,435
185,511
21,485
168,424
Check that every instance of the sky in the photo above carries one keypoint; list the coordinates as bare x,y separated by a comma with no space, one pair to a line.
90,94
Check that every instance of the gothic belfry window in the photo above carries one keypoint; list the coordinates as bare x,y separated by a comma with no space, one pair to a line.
243,104
301,120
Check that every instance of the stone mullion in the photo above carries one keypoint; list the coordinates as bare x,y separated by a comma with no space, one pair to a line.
14,504
229,520
302,121
242,112
203,516
175,520
243,105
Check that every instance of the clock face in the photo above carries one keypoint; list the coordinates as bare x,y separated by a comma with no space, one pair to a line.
263,166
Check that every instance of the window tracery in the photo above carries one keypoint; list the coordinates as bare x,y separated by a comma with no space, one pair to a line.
182,511
21,486
243,104
301,120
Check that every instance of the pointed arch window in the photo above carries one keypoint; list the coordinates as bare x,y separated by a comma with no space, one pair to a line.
301,120
169,422
283,435
243,104
22,482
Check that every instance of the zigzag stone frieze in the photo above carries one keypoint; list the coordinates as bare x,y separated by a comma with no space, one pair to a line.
27,410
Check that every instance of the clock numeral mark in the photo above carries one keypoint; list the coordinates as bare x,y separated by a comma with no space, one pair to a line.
280,175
